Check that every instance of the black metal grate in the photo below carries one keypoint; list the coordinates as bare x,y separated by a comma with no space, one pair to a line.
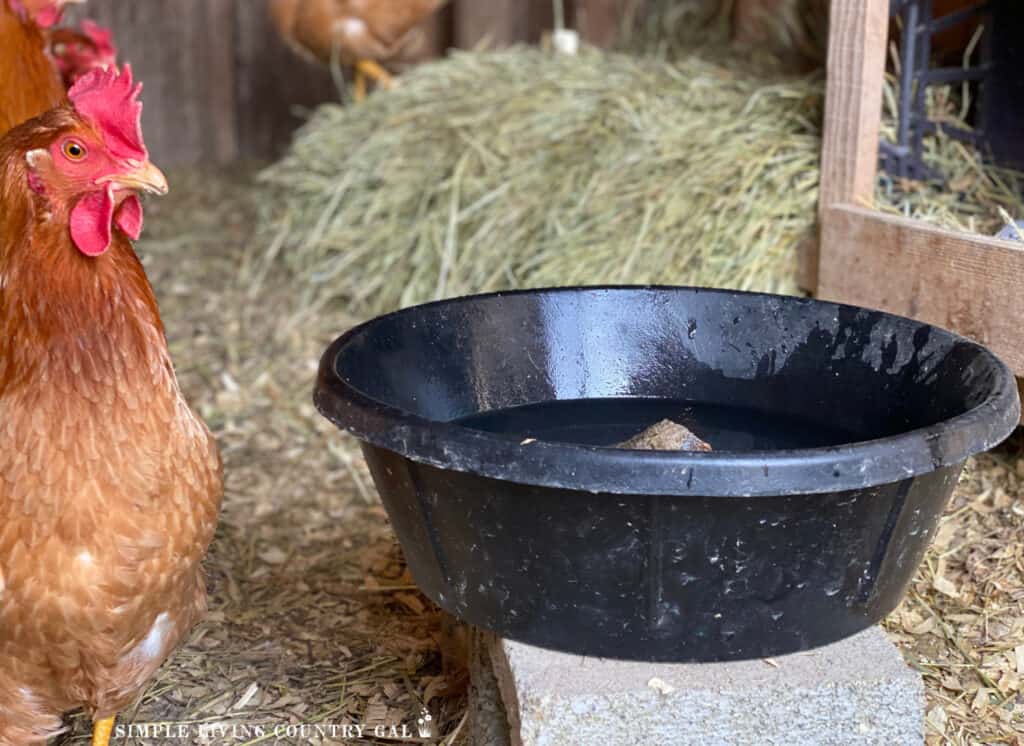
903,158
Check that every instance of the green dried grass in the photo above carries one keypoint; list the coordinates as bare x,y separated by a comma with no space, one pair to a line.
524,169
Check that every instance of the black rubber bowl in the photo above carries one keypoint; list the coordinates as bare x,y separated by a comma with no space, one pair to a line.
839,434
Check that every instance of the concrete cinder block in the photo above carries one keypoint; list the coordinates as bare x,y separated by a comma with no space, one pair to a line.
488,720
857,691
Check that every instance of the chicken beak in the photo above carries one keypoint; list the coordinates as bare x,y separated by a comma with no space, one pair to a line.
144,178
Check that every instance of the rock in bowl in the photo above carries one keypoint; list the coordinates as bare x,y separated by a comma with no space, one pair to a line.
838,436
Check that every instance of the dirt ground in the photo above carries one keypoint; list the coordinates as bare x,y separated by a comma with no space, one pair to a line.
313,618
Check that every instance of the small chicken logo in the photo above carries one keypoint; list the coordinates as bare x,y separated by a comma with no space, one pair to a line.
425,724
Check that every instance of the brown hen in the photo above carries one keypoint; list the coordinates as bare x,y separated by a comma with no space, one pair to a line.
76,52
359,33
29,82
109,485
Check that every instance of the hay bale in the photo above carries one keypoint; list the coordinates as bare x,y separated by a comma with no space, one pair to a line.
520,168
524,169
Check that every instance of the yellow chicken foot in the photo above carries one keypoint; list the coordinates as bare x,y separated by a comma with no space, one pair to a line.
101,731
359,93
370,69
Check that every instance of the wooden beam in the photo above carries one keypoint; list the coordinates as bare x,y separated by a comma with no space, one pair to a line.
858,31
853,111
969,284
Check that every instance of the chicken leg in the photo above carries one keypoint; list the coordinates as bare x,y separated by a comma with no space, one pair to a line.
101,731
370,69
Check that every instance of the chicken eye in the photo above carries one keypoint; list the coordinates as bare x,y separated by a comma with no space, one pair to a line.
73,150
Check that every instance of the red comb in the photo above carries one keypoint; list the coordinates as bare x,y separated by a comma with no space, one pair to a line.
110,100
101,37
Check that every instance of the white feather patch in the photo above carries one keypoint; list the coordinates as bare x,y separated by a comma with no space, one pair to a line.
35,158
152,645
351,26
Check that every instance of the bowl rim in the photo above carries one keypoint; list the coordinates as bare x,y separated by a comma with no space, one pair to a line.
603,470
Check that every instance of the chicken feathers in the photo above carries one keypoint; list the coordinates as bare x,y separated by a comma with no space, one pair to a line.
354,30
29,83
110,486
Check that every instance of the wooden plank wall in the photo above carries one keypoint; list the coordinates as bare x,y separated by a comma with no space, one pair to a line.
221,86
219,83
970,284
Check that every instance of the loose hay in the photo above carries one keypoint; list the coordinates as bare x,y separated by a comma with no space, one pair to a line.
962,622
520,168
974,194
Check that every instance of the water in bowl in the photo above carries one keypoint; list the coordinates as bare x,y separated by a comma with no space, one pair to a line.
606,422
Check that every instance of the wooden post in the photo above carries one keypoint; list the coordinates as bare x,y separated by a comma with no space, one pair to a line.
853,111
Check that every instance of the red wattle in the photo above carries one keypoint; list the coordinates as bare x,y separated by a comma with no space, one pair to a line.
129,217
91,222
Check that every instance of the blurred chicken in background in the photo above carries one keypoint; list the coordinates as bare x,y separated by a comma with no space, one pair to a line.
29,82
796,31
79,52
43,13
358,33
